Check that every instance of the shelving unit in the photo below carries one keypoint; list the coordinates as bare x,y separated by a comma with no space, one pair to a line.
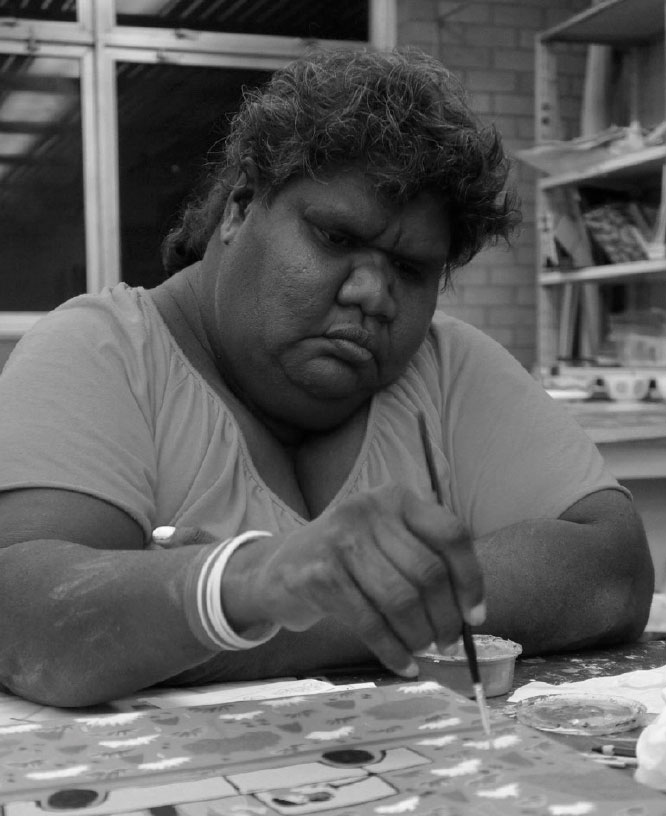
612,22
574,303
619,170
607,272
573,299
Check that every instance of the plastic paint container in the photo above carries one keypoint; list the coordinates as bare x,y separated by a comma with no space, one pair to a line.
567,713
496,658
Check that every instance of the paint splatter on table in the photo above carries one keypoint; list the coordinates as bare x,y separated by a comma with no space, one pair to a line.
575,666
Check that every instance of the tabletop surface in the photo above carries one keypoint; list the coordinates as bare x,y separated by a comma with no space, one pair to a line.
648,653
566,667
413,746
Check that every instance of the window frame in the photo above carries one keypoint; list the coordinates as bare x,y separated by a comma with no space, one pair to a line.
100,44
13,324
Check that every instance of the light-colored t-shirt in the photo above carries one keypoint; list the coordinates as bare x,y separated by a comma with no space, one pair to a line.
98,398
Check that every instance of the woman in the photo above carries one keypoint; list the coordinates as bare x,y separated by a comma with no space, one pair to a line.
264,400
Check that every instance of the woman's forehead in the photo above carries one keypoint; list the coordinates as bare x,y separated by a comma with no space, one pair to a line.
349,201
355,192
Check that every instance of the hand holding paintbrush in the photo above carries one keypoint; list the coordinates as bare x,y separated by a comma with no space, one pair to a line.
468,640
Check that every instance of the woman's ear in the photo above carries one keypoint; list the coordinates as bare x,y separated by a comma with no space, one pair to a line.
241,196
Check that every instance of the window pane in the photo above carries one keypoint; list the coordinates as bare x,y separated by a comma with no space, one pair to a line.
169,117
321,19
41,183
39,9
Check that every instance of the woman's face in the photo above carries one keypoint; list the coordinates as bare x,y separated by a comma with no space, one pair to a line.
322,297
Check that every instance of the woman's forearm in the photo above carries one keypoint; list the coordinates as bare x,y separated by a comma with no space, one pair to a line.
554,584
79,626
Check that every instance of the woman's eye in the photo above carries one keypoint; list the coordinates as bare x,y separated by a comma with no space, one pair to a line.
407,270
337,239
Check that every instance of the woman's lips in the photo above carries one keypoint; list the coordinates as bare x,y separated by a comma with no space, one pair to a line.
349,350
352,343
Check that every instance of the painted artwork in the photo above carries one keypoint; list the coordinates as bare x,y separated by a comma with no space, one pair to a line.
414,748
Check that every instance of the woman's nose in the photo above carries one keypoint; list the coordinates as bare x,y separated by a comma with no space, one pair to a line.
369,286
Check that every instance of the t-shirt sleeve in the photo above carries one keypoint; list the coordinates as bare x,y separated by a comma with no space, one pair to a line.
515,454
74,409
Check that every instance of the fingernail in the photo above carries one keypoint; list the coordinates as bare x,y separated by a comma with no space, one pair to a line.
428,650
449,649
411,670
163,534
477,614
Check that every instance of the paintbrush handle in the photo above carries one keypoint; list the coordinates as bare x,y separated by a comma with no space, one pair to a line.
470,652
468,639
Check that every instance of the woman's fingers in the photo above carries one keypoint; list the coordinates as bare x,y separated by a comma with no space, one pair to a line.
427,573
431,575
391,567
441,531
327,589
400,602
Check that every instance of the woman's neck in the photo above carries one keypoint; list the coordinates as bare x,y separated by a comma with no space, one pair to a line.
178,303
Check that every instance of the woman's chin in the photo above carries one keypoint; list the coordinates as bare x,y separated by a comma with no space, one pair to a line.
331,378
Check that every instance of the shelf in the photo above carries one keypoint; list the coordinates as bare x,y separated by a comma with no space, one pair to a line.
630,459
598,371
607,272
582,182
608,422
625,167
612,22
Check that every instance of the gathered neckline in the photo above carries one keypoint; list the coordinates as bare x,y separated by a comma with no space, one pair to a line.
228,415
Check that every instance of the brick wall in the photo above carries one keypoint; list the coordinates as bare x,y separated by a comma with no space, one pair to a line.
489,44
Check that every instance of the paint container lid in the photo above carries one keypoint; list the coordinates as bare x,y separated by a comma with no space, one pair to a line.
581,713
489,649
495,656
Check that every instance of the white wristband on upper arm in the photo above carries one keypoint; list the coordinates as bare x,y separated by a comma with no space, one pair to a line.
209,596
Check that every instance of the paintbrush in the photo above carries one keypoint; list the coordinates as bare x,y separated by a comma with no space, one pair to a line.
468,640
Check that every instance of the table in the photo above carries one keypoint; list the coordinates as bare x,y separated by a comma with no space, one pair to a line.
401,747
648,653
567,667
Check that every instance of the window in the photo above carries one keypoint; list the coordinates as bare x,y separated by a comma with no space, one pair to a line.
39,10
169,118
108,109
41,182
308,19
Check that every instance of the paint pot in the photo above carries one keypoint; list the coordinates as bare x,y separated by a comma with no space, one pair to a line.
496,658
593,714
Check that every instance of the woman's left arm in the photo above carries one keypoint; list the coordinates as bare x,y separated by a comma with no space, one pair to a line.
581,580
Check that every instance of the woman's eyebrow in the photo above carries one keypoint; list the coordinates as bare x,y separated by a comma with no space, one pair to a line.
347,220
350,213
369,227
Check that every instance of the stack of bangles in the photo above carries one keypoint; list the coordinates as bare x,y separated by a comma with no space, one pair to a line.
207,590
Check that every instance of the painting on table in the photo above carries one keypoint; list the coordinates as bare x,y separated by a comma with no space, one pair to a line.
413,748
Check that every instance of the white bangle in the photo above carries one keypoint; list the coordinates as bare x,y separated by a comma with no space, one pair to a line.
209,597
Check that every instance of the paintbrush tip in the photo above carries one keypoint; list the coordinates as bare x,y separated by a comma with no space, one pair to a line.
483,707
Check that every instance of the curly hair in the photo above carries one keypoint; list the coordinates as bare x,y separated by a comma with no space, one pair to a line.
402,114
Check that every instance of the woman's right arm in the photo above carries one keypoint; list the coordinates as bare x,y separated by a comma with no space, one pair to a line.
86,613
